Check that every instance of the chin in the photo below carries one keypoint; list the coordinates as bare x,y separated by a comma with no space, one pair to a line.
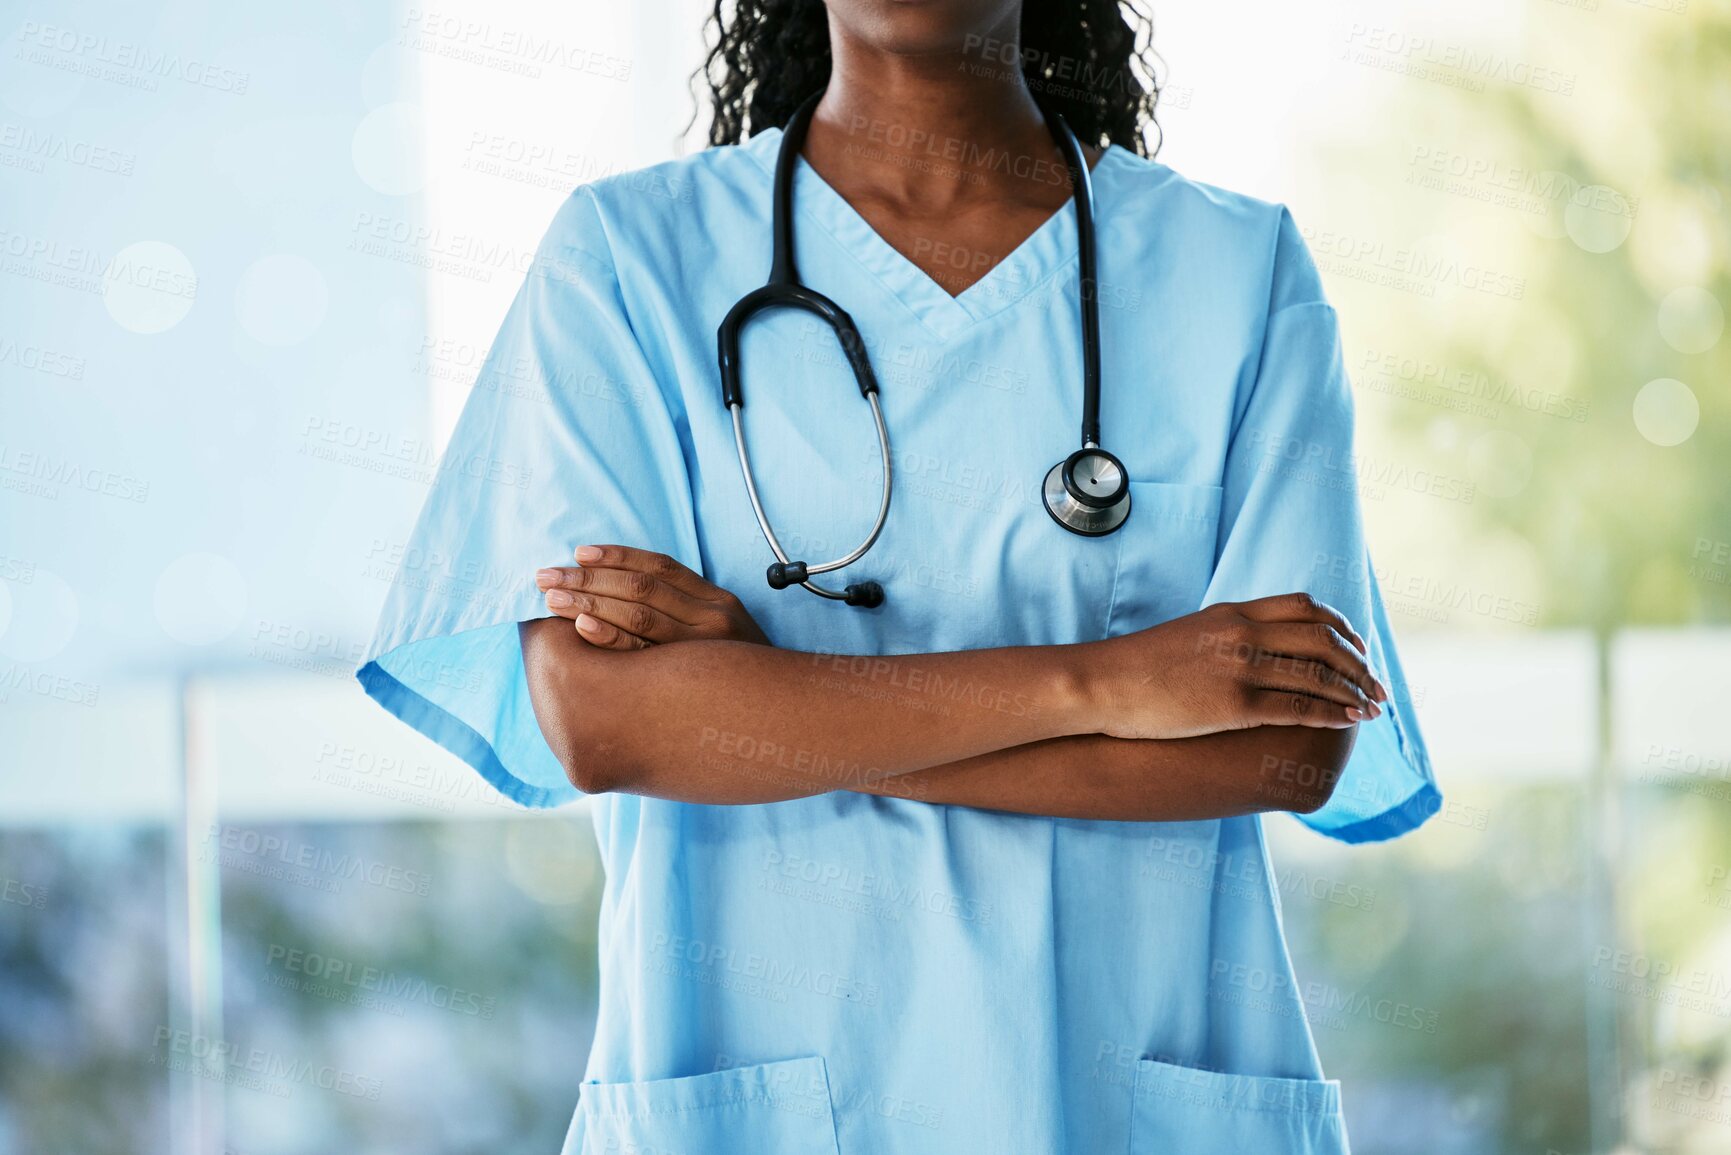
925,27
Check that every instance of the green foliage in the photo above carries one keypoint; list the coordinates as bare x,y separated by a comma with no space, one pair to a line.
1616,217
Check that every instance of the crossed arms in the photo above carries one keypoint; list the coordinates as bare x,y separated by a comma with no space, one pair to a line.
650,680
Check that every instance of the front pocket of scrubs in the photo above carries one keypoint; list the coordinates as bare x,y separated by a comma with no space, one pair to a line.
1187,1111
1165,554
773,1109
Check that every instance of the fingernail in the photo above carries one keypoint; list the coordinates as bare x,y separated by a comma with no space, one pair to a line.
1355,713
546,577
588,553
585,622
559,597
1375,710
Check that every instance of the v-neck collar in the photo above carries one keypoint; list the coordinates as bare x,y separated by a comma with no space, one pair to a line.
1044,253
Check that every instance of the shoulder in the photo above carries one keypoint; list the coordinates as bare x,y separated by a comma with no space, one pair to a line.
1255,240
665,208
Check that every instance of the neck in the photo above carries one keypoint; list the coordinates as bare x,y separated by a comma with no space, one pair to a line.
913,117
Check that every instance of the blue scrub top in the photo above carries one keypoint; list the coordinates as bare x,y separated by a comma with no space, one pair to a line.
848,973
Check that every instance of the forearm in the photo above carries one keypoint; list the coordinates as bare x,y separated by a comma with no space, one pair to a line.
1173,780
732,722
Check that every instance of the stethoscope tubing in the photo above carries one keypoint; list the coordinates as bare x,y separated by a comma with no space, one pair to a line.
784,290
763,520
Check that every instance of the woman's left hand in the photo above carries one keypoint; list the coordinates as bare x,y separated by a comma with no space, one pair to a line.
626,599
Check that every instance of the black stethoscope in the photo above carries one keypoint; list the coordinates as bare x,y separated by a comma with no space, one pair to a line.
1087,493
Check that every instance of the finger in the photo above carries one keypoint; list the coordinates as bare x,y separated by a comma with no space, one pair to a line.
553,576
620,641
1284,708
1304,676
632,617
624,585
606,635
1321,642
669,570
1300,607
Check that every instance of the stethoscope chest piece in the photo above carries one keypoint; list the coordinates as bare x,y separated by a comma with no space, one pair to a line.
1088,492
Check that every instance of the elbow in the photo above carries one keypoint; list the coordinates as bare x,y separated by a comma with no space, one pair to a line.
593,762
585,770
596,763
1302,770
568,697
579,755
1309,801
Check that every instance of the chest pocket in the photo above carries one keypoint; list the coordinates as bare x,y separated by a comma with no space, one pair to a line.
1165,554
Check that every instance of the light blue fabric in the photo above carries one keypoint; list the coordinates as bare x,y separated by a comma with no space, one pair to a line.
878,975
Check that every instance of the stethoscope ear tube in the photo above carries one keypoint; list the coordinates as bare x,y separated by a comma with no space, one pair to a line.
775,296
785,291
785,571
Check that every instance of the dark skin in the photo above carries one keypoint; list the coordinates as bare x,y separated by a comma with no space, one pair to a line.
953,168
651,680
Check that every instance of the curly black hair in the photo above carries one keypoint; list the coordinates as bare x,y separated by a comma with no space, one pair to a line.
1088,59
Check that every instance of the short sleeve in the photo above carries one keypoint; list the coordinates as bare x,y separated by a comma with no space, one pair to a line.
566,438
1290,520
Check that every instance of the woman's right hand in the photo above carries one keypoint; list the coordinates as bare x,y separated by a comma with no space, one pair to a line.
1287,660
629,599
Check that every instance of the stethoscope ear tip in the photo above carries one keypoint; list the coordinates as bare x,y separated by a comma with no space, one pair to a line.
782,574
867,595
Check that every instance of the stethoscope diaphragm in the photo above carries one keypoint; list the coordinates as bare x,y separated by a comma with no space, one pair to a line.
1088,492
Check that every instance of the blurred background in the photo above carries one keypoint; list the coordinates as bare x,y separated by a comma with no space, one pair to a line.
253,257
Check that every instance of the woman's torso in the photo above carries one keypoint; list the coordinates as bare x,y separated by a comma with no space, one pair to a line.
933,978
